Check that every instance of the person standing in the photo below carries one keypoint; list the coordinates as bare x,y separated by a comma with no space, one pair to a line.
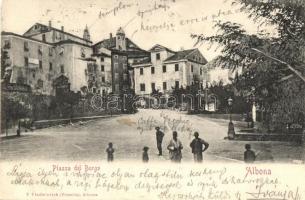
197,145
175,147
159,137
110,151
249,155
145,157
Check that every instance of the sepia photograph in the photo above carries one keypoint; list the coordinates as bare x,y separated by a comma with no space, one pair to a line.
91,84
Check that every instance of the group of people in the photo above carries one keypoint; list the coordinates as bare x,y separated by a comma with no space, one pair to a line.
175,147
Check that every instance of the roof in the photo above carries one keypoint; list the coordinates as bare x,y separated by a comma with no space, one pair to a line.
133,50
120,31
25,37
52,44
110,43
145,61
101,54
180,55
71,42
213,63
162,47
184,54
48,28
89,59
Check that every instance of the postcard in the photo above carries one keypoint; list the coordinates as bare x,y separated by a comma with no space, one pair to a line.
160,99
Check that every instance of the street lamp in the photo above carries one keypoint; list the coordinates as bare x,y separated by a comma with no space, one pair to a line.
231,132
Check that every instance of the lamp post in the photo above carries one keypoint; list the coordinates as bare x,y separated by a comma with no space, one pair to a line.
231,132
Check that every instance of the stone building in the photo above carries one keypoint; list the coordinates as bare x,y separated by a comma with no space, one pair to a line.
42,54
166,69
122,53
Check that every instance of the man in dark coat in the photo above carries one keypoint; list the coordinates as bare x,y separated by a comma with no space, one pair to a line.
159,137
145,157
197,145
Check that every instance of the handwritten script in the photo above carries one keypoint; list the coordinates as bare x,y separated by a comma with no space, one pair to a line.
104,180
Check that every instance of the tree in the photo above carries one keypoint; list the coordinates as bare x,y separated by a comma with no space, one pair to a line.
266,59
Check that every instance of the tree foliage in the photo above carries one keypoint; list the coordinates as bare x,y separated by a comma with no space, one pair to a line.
263,56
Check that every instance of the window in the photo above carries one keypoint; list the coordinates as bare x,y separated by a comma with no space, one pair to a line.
176,84
7,44
192,68
94,90
116,66
116,56
26,46
117,87
164,86
176,67
34,74
43,37
61,52
26,61
141,71
102,59
142,87
82,53
95,68
50,51
152,70
125,67
116,76
62,69
93,78
164,68
102,68
6,55
103,79
40,64
158,56
200,71
153,86
50,66
125,77
39,50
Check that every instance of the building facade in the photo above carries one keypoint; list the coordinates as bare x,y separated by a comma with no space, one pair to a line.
43,54
123,54
167,69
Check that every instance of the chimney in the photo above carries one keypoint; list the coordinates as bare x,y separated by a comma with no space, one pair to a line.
50,24
181,48
62,28
110,36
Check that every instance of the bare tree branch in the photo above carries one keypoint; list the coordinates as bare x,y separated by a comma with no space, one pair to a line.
280,61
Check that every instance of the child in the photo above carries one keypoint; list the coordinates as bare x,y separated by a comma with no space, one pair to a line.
110,151
249,155
145,157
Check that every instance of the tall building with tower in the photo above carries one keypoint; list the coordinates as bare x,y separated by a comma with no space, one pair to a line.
45,57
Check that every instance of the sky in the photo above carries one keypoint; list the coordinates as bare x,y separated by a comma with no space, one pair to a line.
146,22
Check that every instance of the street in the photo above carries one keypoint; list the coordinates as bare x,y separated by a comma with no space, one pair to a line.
88,141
